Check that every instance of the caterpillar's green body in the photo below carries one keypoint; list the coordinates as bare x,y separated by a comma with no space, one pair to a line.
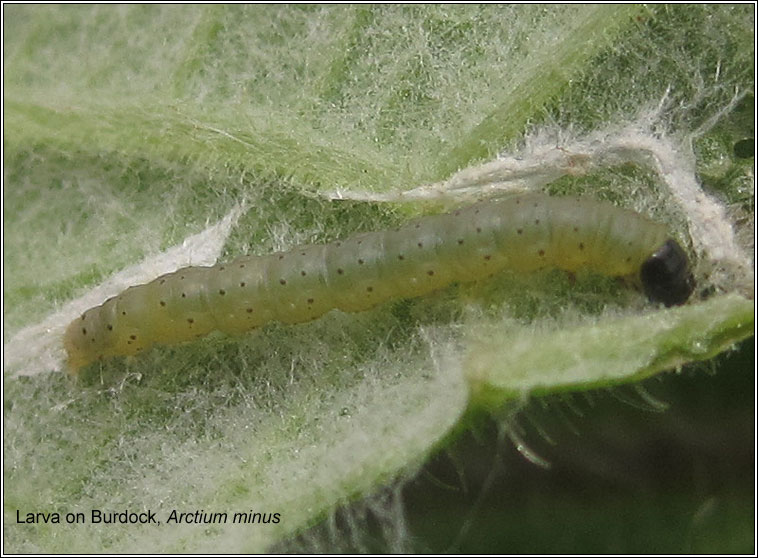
522,233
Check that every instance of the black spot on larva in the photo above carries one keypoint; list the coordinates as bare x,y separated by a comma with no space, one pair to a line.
242,266
222,268
420,244
302,253
488,257
369,289
110,327
360,262
418,225
340,271
184,295
536,221
628,259
430,272
302,273
162,281
310,301
281,256
163,303
576,229
82,317
84,330
338,244
181,278
190,321
282,281
360,242
222,292
92,339
457,213
123,312
666,275
519,231
541,253
518,202
400,257
581,245
476,212
460,241
478,229
242,283
249,310
133,337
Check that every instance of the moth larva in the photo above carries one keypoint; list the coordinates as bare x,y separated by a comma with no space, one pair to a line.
522,233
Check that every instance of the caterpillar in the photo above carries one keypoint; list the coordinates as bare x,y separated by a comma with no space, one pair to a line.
523,233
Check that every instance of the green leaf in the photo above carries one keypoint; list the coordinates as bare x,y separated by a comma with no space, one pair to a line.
504,363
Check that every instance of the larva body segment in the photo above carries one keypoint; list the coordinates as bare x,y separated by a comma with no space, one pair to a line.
523,233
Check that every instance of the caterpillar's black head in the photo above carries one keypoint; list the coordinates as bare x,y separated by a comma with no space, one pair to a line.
666,275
